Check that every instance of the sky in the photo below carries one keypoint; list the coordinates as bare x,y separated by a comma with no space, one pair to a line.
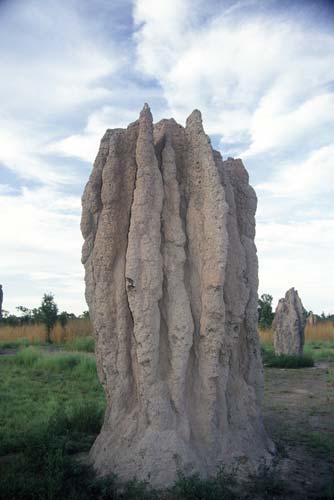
262,74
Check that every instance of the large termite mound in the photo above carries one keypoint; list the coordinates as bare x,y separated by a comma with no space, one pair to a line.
171,284
289,325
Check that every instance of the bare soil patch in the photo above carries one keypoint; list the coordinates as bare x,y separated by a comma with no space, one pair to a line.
299,415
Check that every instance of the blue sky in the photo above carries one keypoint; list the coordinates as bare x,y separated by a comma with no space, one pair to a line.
261,72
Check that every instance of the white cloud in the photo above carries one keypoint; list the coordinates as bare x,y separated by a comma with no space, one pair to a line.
21,150
272,127
252,75
41,248
161,33
311,177
54,66
85,145
297,254
59,64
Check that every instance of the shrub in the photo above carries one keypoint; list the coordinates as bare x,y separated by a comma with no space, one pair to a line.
287,361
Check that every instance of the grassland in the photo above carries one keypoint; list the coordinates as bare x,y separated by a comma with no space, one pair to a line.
51,409
36,334
319,341
52,406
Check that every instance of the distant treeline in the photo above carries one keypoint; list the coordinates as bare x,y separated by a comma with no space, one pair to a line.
322,316
26,316
33,317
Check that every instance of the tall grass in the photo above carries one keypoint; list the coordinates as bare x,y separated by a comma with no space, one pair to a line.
32,333
37,334
323,330
266,336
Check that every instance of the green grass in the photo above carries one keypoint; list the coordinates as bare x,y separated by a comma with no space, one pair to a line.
33,385
51,409
31,357
318,443
15,344
317,350
272,360
85,344
320,350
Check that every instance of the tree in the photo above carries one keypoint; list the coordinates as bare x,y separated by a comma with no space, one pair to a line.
26,315
265,311
48,314
84,315
63,318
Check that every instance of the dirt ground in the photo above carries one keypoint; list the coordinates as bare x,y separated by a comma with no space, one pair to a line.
299,414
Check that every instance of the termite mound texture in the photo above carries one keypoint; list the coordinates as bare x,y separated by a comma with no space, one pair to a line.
171,284
289,324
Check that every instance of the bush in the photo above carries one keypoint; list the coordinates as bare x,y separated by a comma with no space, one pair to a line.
287,361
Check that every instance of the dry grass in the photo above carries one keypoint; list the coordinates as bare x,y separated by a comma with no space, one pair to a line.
36,333
266,336
82,328
323,330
